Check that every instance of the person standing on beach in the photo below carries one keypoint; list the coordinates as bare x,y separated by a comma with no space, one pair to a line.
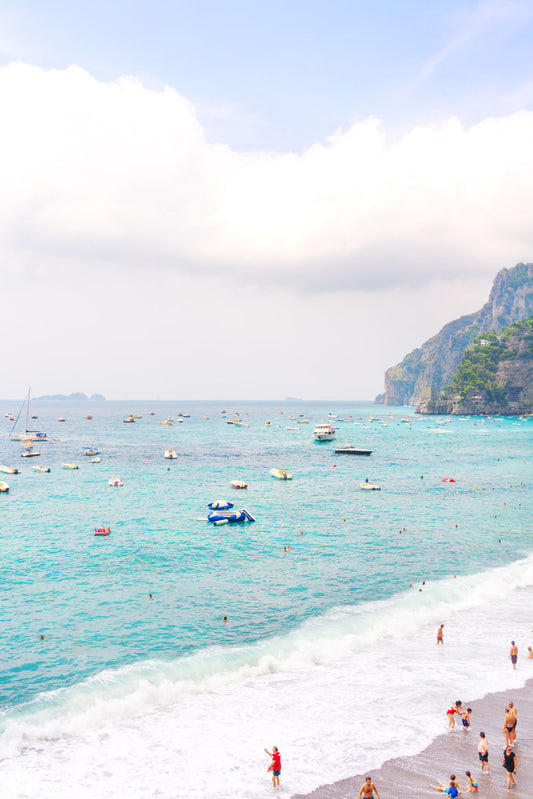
508,723
368,789
440,635
509,764
275,766
512,711
483,752
513,654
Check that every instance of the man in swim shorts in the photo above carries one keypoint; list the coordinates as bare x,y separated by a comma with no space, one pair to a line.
513,654
483,752
275,766
512,711
368,789
440,635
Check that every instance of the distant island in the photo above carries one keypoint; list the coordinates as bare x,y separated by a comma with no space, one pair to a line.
480,363
77,395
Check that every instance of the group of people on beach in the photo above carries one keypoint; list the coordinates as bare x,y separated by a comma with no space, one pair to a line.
509,756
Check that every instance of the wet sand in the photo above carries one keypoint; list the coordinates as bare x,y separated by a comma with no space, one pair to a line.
454,752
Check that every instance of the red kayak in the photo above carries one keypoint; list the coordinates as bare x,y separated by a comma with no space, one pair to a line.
102,530
448,480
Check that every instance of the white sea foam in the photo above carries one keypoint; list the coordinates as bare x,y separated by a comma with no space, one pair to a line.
196,727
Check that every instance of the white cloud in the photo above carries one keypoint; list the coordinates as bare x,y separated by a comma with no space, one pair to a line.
124,175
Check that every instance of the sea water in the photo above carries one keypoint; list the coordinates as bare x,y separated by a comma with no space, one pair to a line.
329,650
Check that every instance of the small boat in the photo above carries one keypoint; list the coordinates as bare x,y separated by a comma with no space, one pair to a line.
324,432
102,530
9,470
115,481
171,454
368,485
70,466
128,420
10,417
95,460
168,422
29,452
281,474
221,504
268,423
152,413
349,449
44,469
61,419
34,416
4,488
88,416
448,480
238,484
91,451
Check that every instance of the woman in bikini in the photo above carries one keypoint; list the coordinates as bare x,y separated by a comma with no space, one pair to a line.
457,708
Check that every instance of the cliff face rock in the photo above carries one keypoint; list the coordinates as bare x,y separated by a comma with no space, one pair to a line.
424,372
495,376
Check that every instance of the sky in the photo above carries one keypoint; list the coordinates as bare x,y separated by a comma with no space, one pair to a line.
253,200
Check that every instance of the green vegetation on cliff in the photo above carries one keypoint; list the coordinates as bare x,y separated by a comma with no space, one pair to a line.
477,373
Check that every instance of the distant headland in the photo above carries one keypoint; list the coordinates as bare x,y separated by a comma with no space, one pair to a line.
76,395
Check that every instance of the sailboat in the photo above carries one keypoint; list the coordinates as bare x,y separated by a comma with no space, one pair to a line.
31,435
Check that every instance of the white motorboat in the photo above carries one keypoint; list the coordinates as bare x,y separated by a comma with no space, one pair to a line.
95,460
324,432
129,420
238,484
349,449
168,422
281,474
171,454
368,485
4,488
43,469
91,451
115,481
61,419
9,470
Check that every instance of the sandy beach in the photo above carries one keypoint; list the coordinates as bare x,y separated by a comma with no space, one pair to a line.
455,751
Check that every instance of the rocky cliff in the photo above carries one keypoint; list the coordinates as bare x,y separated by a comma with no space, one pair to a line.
495,376
424,372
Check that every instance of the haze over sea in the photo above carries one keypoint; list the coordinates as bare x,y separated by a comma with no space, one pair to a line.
139,697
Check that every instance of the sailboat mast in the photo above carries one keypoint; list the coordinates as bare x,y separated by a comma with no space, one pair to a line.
28,409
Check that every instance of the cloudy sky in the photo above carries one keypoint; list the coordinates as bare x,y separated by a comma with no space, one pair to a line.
250,200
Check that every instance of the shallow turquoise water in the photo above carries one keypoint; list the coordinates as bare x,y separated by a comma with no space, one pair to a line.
89,595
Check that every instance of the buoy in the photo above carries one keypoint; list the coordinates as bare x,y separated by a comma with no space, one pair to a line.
334,465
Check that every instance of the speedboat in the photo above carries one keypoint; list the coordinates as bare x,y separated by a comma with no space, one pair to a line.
91,451
44,469
238,484
4,488
281,474
88,416
70,466
115,481
129,420
349,449
368,485
61,419
170,454
9,470
29,452
324,432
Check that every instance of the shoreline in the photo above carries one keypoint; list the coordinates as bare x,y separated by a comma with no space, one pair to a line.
455,751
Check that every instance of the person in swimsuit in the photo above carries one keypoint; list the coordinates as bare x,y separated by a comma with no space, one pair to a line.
509,764
457,708
508,726
512,711
483,752
529,652
440,635
513,654
275,766
368,789
466,718
472,784
451,789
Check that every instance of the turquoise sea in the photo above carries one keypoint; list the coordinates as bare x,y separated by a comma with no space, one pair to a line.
134,696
